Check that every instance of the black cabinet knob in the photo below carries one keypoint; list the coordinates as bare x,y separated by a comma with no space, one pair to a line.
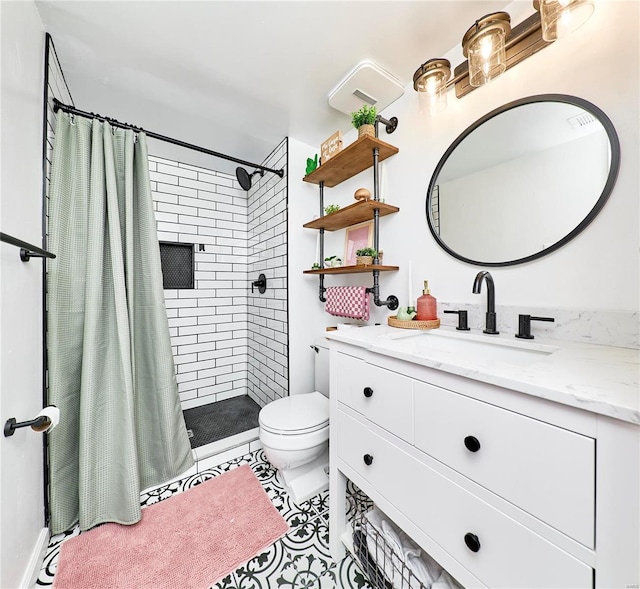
368,392
472,542
472,443
368,459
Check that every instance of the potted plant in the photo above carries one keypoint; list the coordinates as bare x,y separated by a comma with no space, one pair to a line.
333,262
365,256
364,120
331,209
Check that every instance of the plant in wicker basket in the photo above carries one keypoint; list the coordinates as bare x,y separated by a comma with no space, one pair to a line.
364,120
365,256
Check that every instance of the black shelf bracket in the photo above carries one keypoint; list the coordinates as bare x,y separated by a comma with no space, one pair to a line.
391,302
390,124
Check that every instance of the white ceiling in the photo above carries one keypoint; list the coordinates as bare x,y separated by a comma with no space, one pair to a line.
238,76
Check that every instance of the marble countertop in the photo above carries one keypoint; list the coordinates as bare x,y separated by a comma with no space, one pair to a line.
595,378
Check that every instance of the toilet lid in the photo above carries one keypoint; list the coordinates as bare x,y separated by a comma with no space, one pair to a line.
296,414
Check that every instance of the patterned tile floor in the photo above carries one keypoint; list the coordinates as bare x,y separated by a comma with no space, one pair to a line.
299,560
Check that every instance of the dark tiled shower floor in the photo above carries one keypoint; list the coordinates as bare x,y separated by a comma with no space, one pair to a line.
221,419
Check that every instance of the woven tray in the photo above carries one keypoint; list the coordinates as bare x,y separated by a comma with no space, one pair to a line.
413,324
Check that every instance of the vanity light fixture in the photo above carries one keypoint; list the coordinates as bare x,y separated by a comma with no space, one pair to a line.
561,17
492,47
430,82
484,45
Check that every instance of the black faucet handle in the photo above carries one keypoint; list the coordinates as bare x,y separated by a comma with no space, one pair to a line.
462,319
261,284
524,325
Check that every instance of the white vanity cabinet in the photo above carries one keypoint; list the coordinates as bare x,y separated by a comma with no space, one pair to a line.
503,489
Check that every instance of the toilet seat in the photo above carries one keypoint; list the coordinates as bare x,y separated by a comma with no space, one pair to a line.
296,414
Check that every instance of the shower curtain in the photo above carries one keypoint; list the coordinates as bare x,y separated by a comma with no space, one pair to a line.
111,370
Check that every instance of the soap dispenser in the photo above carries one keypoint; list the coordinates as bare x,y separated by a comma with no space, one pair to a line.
427,305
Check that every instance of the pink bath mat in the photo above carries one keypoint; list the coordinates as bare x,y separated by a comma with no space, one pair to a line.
189,541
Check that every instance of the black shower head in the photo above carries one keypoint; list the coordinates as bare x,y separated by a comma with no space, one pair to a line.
245,178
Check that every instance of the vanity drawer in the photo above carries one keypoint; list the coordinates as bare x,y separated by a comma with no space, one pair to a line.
543,469
509,555
382,396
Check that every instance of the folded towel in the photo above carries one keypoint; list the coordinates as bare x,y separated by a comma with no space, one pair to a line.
387,551
446,581
420,563
348,301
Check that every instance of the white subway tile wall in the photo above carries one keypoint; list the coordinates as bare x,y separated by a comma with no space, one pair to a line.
207,324
211,325
268,336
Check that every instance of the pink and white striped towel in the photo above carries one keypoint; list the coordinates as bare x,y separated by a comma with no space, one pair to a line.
348,301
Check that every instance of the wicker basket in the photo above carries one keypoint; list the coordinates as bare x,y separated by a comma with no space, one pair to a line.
364,260
366,130
393,321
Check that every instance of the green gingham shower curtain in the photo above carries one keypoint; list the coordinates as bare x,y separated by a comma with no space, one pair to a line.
111,370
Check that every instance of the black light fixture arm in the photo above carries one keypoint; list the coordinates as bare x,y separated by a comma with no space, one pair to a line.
57,105
27,251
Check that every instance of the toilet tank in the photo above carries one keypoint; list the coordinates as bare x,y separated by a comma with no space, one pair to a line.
321,374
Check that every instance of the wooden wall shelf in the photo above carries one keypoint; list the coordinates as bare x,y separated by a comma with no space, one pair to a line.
352,215
352,269
352,160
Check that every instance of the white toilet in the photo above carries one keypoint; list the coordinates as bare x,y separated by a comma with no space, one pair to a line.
294,432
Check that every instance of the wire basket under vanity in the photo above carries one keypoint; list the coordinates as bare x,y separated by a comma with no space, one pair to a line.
387,556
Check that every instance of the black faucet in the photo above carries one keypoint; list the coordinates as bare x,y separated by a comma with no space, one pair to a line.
491,300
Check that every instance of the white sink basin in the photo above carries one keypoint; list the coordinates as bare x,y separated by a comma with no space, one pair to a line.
471,349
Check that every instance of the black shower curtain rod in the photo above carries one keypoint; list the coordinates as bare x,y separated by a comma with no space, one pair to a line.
57,105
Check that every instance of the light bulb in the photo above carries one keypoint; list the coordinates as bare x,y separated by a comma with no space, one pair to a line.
561,17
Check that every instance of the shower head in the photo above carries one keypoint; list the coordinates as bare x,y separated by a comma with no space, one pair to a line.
245,178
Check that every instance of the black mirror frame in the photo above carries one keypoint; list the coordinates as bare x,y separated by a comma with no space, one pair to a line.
606,191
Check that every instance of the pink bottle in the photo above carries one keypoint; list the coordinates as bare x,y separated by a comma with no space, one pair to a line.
427,305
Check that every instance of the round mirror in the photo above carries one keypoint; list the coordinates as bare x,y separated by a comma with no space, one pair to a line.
523,180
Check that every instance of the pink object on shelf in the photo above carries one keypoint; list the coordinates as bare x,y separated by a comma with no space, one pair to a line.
348,301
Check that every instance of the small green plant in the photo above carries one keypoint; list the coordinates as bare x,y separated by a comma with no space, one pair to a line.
365,116
332,262
331,209
315,266
367,251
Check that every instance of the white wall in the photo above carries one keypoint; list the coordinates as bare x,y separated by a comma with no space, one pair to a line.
598,270
307,319
21,486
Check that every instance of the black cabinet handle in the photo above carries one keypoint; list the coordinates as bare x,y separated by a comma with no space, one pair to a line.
472,542
368,392
368,459
472,443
